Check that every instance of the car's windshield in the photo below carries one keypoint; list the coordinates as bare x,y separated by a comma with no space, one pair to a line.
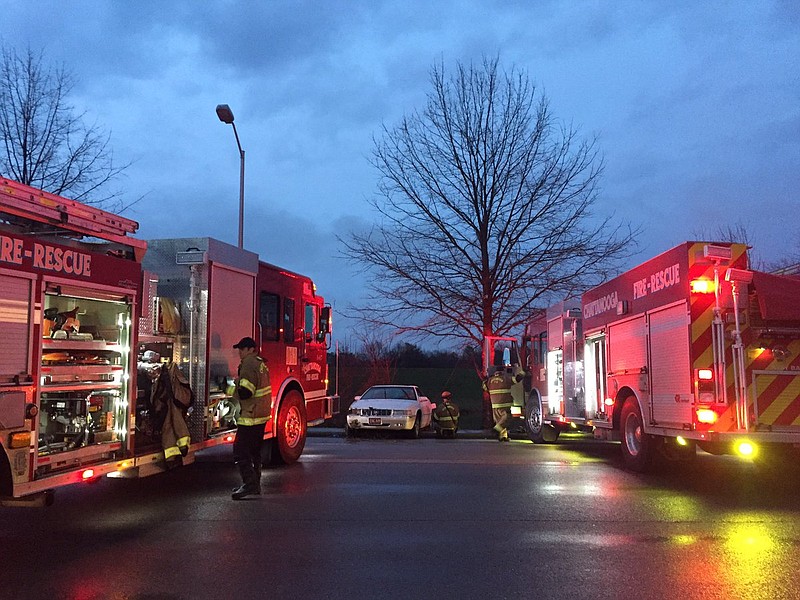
389,392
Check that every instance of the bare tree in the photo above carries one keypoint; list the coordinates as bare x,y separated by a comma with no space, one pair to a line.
377,352
486,211
44,142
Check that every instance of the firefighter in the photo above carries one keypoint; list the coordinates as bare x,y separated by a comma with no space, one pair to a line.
499,388
445,417
252,390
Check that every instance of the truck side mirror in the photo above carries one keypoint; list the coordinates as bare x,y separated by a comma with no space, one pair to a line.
325,320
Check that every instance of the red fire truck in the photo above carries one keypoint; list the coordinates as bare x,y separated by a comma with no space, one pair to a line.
691,348
81,301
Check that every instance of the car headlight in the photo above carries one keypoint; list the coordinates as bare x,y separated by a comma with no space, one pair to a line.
404,412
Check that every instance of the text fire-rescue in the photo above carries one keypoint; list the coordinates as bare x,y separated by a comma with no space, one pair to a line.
657,281
45,257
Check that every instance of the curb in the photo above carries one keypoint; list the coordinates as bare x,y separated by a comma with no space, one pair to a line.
469,434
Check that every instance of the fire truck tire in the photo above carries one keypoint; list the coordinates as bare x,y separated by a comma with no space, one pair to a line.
777,461
538,431
291,431
6,486
637,447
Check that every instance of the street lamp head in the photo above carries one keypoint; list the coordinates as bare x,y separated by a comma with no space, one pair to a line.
225,113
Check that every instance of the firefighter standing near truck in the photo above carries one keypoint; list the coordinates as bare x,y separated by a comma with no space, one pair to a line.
499,388
254,394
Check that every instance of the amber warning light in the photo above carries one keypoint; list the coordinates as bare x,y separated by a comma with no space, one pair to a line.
702,286
706,415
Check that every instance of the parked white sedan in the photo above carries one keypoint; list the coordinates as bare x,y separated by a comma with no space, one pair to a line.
390,408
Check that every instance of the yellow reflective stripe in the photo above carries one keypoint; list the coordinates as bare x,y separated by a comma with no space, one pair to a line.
445,419
184,441
263,392
171,451
247,385
252,421
230,390
504,405
503,391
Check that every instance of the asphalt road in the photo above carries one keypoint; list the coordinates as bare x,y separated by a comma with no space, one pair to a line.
397,518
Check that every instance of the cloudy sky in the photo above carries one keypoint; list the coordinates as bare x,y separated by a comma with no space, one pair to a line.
696,106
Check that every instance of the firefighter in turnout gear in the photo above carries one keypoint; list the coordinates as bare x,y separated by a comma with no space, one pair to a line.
254,394
499,388
445,417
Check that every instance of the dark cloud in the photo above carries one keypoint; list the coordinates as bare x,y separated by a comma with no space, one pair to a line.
695,104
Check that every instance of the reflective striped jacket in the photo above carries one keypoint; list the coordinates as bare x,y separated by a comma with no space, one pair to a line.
499,386
253,391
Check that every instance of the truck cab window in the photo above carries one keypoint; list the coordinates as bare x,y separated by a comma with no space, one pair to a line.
288,321
268,316
310,322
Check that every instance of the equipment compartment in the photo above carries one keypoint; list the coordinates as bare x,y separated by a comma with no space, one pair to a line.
84,371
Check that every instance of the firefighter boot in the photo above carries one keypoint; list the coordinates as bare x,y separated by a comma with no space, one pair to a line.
249,486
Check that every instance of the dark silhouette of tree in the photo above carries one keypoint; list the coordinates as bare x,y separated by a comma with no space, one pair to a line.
485,211
45,144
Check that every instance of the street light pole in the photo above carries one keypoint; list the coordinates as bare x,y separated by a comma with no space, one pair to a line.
225,115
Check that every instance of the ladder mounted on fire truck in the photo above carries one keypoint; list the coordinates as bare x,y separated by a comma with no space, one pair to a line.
29,203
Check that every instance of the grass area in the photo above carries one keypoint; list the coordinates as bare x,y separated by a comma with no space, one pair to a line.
462,383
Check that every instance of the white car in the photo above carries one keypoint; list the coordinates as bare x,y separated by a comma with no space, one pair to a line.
390,408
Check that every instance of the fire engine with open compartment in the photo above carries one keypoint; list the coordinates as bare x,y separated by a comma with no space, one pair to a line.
81,301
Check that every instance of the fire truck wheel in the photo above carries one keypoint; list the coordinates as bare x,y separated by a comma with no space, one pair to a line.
538,431
776,461
291,431
637,447
6,484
